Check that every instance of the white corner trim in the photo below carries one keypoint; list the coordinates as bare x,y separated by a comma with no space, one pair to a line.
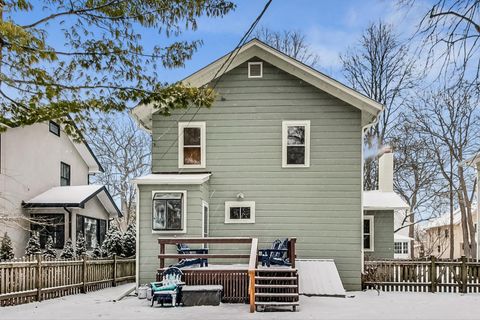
285,125
371,219
184,217
203,144
137,230
254,64
243,204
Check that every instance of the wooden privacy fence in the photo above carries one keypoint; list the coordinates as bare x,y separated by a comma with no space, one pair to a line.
35,279
423,276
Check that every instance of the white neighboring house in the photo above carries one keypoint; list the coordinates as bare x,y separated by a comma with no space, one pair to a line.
386,200
44,188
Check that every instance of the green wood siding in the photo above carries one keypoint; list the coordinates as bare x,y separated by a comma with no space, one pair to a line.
319,205
383,234
149,248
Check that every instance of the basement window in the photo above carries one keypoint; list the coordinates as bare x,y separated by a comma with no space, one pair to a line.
255,69
239,211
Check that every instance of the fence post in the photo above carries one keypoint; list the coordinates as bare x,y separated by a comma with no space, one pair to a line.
38,275
84,273
114,270
433,274
463,275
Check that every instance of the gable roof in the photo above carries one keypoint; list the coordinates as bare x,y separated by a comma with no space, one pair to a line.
73,197
444,219
256,48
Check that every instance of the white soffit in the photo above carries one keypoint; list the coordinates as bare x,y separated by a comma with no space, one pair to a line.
172,178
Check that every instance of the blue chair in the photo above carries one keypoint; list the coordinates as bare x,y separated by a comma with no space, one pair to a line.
276,255
185,249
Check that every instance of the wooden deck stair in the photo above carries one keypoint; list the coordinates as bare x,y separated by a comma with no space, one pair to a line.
275,288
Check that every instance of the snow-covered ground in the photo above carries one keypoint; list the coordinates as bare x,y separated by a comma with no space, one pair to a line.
364,305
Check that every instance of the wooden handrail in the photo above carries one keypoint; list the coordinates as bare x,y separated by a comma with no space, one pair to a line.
205,240
252,265
202,255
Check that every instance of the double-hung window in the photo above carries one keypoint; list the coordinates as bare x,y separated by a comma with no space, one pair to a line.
169,211
240,212
65,173
296,143
400,247
368,233
191,145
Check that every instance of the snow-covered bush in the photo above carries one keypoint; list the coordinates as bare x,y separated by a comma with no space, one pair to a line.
49,252
68,252
80,245
6,248
128,241
112,244
96,252
33,245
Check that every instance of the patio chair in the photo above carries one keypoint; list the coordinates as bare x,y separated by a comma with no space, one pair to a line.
276,255
169,289
185,249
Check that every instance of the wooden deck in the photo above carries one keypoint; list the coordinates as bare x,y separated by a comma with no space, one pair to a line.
242,283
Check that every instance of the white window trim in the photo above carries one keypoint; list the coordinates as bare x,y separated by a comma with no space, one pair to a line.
205,205
229,204
372,233
203,144
184,217
285,125
261,69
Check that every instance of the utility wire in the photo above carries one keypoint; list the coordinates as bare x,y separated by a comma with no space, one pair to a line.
231,57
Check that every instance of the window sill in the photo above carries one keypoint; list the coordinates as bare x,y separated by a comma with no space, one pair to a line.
240,222
296,166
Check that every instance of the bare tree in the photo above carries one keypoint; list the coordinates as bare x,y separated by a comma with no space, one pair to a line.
416,176
124,151
450,31
292,43
449,120
381,68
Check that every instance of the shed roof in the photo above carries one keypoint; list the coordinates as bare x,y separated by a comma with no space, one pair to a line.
380,200
73,197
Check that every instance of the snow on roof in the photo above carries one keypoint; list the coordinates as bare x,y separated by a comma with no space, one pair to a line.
399,237
173,178
319,277
73,196
379,200
444,219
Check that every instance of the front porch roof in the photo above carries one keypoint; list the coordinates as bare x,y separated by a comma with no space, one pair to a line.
173,178
379,200
74,197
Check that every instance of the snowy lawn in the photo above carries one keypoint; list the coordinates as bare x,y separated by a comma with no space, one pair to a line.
365,305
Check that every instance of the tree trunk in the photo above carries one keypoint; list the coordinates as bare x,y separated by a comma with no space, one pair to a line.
452,242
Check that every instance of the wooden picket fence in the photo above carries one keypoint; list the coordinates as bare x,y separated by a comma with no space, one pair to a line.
35,279
457,276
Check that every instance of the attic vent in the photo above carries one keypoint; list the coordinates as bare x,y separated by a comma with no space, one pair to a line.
255,69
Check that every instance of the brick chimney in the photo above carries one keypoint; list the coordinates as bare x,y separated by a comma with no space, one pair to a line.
385,170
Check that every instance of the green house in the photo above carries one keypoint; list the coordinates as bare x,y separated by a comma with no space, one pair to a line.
278,155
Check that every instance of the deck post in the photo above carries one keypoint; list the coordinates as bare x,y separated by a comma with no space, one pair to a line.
292,253
162,251
252,266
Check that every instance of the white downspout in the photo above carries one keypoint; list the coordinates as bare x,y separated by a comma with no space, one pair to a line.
364,129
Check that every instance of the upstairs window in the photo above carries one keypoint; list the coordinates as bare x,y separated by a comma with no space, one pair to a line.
368,233
64,174
296,144
255,69
191,145
54,128
240,212
169,211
